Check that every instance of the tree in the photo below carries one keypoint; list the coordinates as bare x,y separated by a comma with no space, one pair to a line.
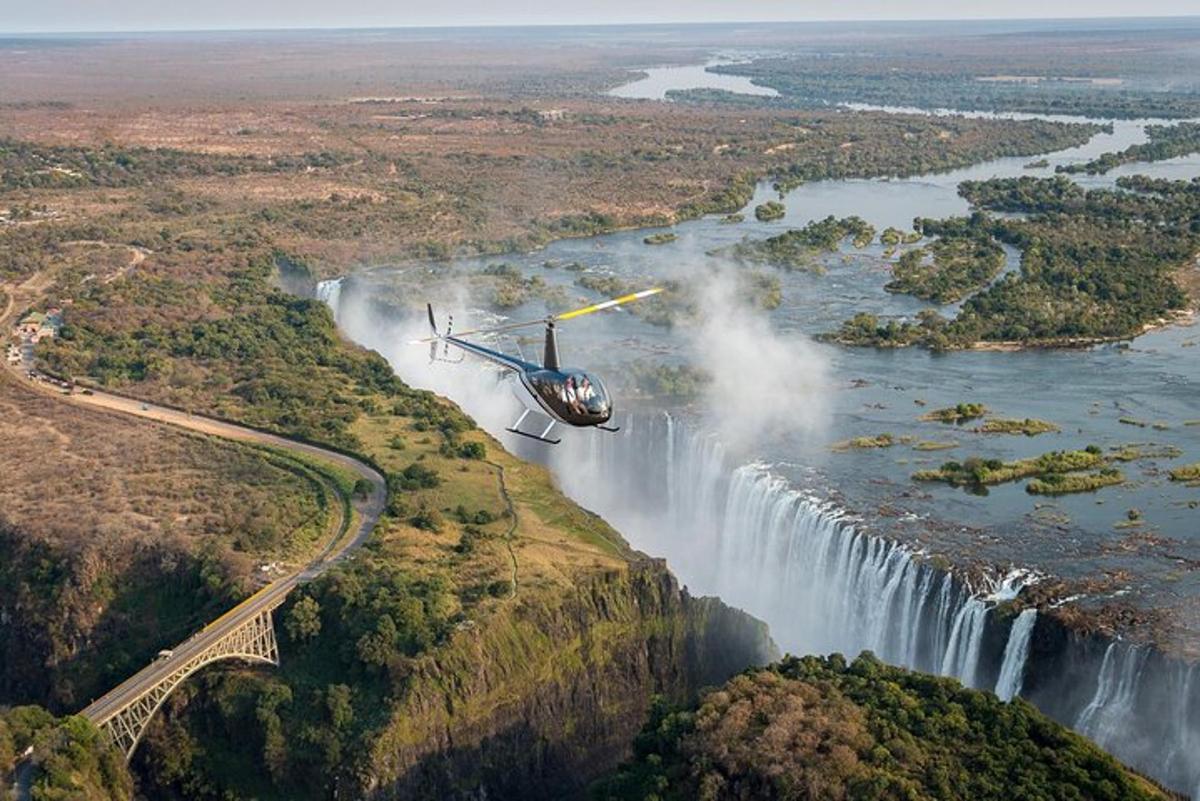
339,703
304,620
376,647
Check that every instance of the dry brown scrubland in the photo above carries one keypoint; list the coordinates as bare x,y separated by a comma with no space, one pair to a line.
477,144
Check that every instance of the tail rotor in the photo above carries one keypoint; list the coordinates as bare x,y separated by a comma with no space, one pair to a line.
438,337
433,342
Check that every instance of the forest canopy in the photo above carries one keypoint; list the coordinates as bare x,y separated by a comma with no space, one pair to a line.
816,729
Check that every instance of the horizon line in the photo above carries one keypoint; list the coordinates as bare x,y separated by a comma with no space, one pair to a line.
517,25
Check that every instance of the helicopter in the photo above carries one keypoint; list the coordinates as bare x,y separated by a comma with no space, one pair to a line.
564,395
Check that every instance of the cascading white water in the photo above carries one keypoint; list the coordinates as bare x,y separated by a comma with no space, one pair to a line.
744,534
1182,759
962,655
330,293
803,566
1016,653
1116,686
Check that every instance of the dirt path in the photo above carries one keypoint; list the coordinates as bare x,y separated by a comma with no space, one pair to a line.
512,527
137,255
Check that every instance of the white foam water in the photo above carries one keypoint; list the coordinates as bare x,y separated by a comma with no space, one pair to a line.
1016,653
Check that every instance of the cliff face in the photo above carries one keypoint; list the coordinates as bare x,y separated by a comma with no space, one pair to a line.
75,621
537,708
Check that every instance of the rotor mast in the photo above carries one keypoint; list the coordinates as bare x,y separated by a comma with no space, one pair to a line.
550,357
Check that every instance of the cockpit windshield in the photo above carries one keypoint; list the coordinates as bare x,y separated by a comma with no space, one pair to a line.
573,394
584,393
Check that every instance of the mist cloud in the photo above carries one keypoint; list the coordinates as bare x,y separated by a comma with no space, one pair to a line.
764,383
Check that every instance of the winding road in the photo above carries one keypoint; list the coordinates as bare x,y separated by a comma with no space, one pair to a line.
341,545
270,596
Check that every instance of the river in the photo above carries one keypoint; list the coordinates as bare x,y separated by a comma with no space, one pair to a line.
740,491
660,80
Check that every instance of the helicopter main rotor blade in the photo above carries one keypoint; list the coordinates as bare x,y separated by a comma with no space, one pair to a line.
495,330
608,304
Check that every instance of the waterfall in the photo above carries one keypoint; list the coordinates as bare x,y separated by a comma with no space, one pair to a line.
1104,717
1182,758
962,654
800,563
822,583
330,293
1012,669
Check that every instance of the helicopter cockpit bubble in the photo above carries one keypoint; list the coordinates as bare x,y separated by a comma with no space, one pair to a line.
575,395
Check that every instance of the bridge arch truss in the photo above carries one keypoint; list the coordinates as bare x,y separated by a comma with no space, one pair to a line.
124,714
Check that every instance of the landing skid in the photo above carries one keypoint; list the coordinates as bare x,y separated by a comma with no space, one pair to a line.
533,436
611,429
516,429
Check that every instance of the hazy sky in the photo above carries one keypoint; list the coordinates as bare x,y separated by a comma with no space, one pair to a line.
108,15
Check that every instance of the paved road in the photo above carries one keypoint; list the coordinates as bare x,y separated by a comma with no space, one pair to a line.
368,513
269,596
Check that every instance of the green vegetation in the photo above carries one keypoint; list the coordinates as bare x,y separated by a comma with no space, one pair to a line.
1189,473
934,445
273,360
770,211
864,443
24,165
1038,164
510,288
1095,265
760,290
1064,484
1049,467
926,76
733,219
1166,142
661,239
682,381
957,414
73,761
866,329
797,248
1030,427
891,237
959,266
1136,452
813,729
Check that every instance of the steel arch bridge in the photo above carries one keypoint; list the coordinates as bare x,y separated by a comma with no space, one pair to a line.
245,633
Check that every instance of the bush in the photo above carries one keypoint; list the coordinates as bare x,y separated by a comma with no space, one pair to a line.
472,450
417,476
426,519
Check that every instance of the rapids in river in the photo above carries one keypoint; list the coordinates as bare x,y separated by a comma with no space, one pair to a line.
740,492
